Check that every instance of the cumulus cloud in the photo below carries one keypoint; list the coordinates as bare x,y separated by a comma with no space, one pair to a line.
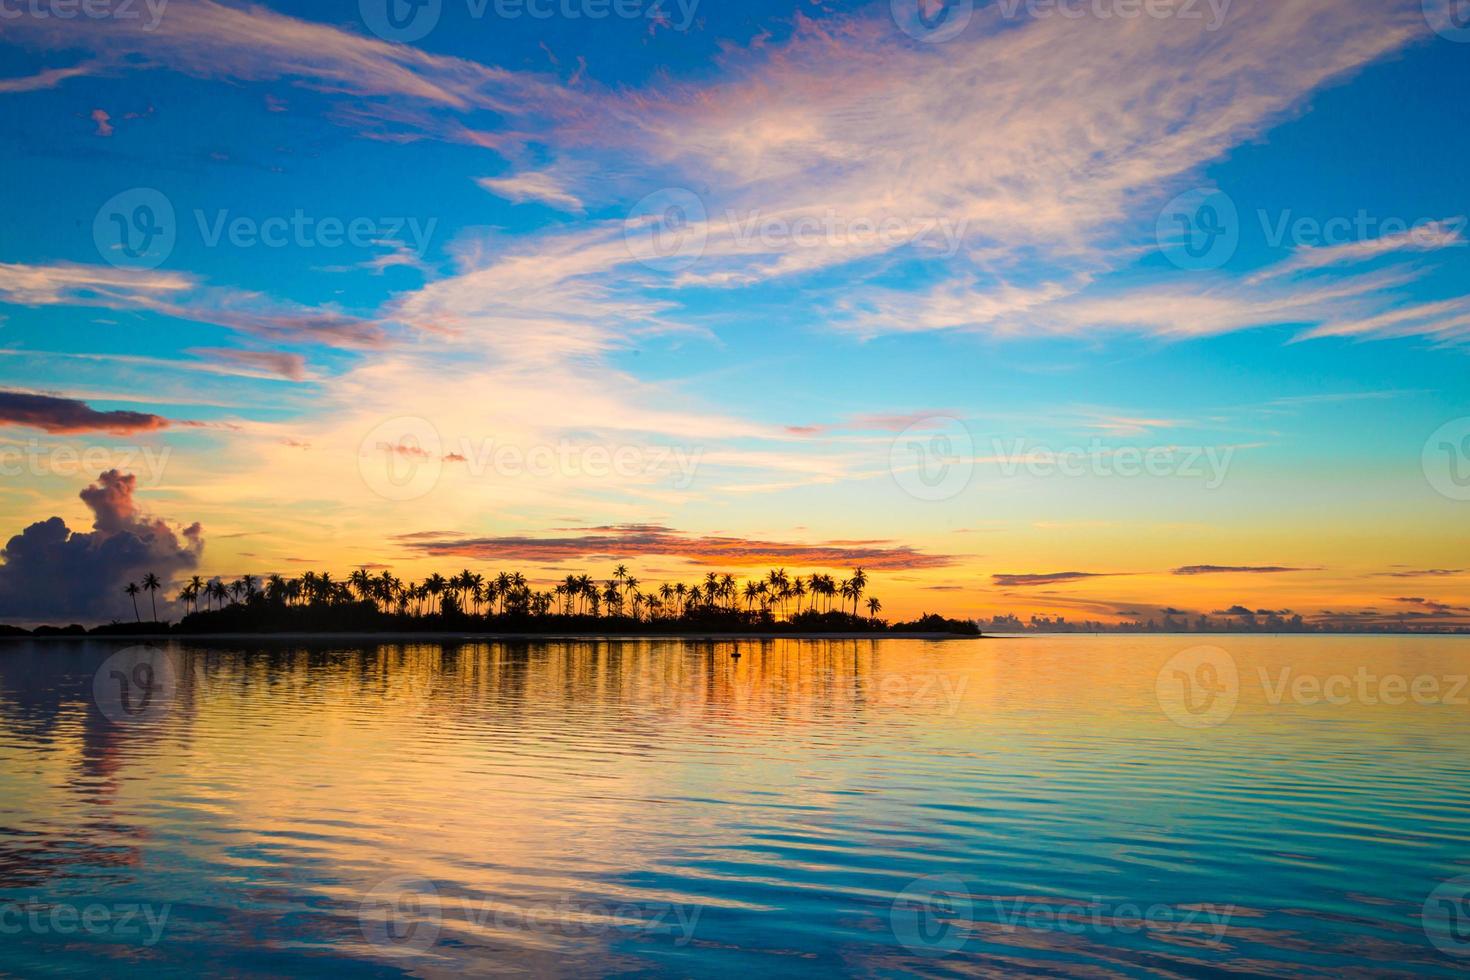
69,415
51,572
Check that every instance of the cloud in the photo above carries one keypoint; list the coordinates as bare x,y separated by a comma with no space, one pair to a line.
1426,237
1247,569
1423,573
52,572
69,415
285,365
183,296
533,186
1433,606
642,540
843,119
103,121
252,43
49,78
1007,580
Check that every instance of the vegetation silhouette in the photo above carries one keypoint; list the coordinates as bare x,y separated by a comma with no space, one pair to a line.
508,602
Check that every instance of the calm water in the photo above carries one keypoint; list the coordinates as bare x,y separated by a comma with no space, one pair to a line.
1068,806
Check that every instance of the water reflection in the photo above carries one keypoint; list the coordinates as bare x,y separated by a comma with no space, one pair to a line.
653,806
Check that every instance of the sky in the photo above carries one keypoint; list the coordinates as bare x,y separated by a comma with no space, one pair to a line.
1092,308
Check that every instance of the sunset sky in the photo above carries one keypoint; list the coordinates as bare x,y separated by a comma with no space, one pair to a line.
701,285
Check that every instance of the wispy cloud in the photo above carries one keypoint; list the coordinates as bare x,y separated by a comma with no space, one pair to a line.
1014,579
184,296
279,363
1239,569
543,186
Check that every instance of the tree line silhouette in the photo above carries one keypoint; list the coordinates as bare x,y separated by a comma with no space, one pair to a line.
507,600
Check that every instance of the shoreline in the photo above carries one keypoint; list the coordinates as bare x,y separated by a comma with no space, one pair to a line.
463,636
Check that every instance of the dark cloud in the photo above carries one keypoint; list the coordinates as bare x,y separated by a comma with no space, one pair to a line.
1433,606
1043,578
640,540
69,415
1248,569
51,573
1423,573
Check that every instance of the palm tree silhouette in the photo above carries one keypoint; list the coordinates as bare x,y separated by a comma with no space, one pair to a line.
717,600
151,585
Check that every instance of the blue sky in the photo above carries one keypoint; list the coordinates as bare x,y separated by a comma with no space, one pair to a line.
880,236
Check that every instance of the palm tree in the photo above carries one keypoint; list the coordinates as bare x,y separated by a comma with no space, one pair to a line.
132,590
873,606
151,585
434,585
196,586
359,580
859,582
751,593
